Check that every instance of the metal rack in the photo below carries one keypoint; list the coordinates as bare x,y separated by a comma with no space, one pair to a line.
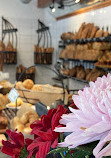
41,56
63,43
9,32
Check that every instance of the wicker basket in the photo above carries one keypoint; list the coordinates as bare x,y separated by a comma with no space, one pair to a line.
48,96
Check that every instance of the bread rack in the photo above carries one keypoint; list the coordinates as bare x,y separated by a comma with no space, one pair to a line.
85,63
63,43
44,42
8,30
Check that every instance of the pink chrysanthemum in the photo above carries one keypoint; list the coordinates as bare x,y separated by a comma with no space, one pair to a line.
92,121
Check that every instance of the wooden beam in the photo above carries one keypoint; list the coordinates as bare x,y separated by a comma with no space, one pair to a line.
86,9
44,3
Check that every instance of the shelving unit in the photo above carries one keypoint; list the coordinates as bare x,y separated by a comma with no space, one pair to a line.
77,62
83,41
8,55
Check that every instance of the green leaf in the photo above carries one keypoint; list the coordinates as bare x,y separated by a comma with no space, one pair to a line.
80,154
87,147
58,150
61,137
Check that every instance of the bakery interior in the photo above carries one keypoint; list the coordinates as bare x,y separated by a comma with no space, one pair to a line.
49,49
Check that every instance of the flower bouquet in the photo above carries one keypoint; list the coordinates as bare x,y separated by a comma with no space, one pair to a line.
89,127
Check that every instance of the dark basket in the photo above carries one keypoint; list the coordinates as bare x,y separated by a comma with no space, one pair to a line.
42,58
10,57
25,76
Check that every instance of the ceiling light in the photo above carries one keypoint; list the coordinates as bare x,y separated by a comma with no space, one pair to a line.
53,10
77,1
52,7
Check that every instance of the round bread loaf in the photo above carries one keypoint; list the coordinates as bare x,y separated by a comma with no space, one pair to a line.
28,84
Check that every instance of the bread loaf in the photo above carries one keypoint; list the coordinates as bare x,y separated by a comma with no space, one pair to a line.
99,33
86,31
79,34
101,46
106,34
73,71
81,74
93,32
90,30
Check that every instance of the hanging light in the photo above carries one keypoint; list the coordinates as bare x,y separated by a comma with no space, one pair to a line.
64,3
77,1
52,7
67,3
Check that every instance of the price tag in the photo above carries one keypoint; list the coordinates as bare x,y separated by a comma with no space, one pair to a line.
13,95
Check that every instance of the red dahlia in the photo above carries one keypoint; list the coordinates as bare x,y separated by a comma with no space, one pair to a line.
44,136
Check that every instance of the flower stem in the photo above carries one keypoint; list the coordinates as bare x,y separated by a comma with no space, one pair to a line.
61,153
61,139
87,156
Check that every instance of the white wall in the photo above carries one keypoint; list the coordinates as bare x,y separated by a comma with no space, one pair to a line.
100,17
24,17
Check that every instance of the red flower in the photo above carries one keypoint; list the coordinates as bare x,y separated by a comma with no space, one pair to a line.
44,136
14,146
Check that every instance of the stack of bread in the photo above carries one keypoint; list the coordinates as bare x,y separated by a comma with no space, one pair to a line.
8,57
85,31
90,51
43,50
22,68
27,73
104,61
69,52
43,55
81,73
22,123
8,48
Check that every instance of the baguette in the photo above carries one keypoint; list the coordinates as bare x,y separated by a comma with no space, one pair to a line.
79,34
94,30
99,33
